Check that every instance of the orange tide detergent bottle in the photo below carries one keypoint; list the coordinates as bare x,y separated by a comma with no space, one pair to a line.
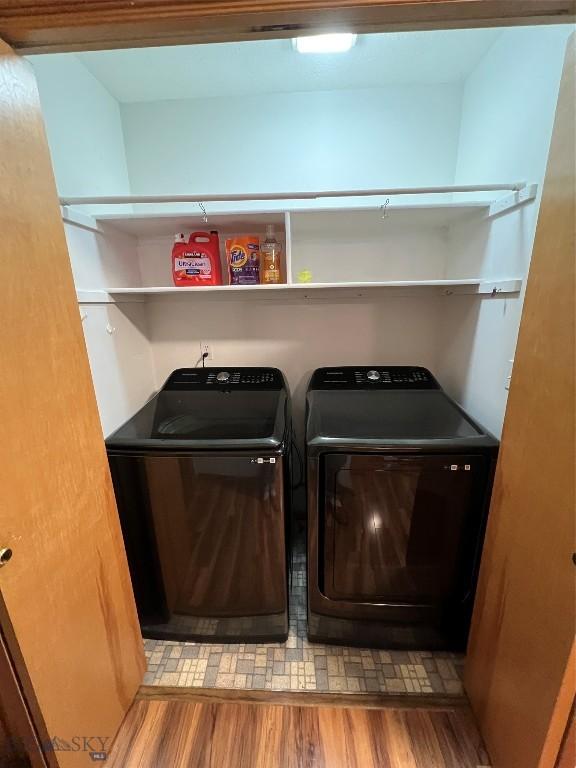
196,262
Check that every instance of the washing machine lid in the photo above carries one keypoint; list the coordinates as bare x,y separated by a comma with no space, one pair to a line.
207,410
405,408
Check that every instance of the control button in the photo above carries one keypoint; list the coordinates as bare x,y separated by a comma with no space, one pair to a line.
373,375
223,376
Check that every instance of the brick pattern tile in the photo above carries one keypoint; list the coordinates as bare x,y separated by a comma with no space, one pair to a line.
298,665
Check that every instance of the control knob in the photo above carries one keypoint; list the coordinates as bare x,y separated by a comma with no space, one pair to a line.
222,376
373,375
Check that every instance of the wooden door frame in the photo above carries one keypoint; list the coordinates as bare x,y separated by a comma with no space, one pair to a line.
567,754
523,709
63,525
55,26
14,704
561,727
50,26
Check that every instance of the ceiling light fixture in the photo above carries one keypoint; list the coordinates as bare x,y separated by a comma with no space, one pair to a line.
335,43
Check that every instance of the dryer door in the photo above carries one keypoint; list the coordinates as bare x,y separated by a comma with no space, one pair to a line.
402,529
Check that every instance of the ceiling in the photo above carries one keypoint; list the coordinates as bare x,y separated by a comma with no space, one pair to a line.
272,66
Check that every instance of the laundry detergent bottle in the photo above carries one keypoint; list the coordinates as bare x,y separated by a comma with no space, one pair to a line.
196,262
270,254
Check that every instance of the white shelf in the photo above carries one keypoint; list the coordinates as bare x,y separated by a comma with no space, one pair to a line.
441,287
350,235
166,214
227,197
166,223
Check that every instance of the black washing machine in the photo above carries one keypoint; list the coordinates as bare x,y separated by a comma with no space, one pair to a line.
399,483
202,481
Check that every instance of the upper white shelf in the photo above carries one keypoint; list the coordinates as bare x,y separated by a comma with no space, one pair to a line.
164,224
352,242
513,186
161,224
158,216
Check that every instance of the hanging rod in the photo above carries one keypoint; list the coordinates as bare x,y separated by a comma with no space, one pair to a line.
230,198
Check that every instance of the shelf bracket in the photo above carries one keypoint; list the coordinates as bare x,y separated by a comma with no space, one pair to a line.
496,287
103,297
486,288
80,219
513,200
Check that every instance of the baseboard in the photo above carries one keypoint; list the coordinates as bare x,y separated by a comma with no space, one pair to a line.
304,698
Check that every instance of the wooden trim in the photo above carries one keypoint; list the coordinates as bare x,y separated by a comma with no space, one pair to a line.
67,610
56,25
302,699
15,712
33,711
519,671
561,715
567,756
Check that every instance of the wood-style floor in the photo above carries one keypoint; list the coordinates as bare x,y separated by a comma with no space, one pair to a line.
190,734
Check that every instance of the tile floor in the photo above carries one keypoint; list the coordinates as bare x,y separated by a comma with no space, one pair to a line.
298,665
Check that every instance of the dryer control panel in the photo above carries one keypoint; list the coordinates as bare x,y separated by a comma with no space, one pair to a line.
376,376
225,378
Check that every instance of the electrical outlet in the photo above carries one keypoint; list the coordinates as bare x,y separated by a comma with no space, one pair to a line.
206,349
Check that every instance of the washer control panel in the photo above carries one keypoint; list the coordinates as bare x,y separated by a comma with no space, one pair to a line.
225,378
379,377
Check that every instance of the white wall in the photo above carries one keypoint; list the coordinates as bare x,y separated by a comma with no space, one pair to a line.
398,135
117,336
121,360
507,116
296,336
87,148
361,245
102,259
83,126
